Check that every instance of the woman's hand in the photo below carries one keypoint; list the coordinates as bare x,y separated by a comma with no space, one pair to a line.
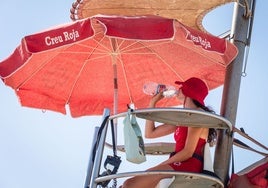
155,99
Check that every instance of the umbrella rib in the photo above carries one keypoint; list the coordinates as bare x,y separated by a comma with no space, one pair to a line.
101,44
164,42
118,53
201,54
169,66
105,50
143,46
129,51
94,49
37,70
125,49
126,80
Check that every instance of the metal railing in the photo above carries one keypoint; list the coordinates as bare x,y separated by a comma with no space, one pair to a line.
174,116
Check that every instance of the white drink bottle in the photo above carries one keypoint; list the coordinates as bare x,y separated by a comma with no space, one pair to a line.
152,88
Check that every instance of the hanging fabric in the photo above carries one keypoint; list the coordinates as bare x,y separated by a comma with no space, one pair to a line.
134,145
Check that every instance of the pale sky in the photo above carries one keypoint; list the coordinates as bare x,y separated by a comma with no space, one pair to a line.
48,149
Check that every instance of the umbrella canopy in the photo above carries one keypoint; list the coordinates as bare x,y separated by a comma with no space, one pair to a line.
103,62
190,12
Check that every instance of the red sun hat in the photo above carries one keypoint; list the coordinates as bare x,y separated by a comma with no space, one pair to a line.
194,88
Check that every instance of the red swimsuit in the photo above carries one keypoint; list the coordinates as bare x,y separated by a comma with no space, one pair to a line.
193,164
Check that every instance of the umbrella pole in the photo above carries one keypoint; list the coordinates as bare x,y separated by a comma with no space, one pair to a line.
114,127
114,60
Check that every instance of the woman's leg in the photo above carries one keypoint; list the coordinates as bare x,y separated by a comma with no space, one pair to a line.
148,180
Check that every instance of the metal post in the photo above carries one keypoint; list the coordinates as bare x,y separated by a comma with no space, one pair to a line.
240,32
99,152
90,163
94,167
